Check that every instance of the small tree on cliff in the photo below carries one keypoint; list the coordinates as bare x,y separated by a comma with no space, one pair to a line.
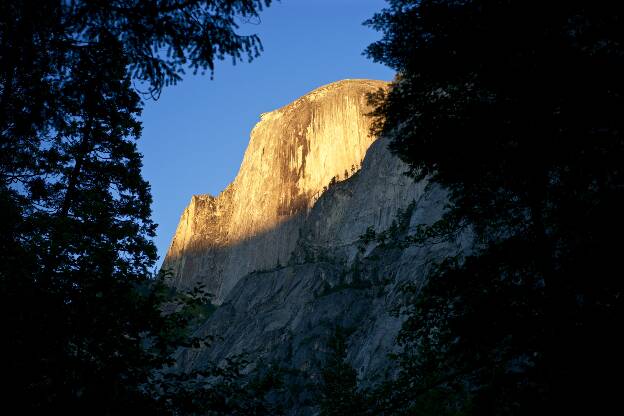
515,108
83,325
339,395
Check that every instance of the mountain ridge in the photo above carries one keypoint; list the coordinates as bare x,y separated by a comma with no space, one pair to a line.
320,274
294,152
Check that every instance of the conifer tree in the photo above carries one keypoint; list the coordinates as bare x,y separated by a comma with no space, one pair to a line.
339,394
515,108
84,328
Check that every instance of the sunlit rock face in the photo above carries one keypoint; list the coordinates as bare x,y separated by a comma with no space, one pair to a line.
285,257
254,224
285,315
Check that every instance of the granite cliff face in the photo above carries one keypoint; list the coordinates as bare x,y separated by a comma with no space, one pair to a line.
293,153
284,255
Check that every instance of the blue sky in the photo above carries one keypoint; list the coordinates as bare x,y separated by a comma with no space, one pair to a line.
195,135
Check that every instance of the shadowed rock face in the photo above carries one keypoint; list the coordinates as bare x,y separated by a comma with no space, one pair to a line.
293,153
285,315
284,255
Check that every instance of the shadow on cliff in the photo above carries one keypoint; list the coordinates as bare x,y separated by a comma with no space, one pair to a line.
220,267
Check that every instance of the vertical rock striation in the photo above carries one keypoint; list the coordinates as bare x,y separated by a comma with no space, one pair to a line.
285,316
282,250
294,152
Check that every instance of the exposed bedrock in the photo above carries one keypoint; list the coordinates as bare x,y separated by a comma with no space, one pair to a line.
284,256
293,153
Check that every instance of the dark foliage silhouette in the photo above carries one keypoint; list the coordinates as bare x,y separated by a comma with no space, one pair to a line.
82,315
515,107
338,389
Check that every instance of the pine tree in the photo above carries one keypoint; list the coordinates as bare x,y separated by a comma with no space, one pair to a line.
339,394
514,107
82,314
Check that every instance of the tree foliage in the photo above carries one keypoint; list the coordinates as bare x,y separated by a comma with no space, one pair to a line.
84,328
514,107
339,395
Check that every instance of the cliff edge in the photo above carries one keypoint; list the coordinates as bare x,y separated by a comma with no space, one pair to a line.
294,153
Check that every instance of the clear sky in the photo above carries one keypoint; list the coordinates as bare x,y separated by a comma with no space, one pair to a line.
195,135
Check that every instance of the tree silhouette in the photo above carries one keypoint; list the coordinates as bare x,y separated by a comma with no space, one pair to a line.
515,108
83,318
339,395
